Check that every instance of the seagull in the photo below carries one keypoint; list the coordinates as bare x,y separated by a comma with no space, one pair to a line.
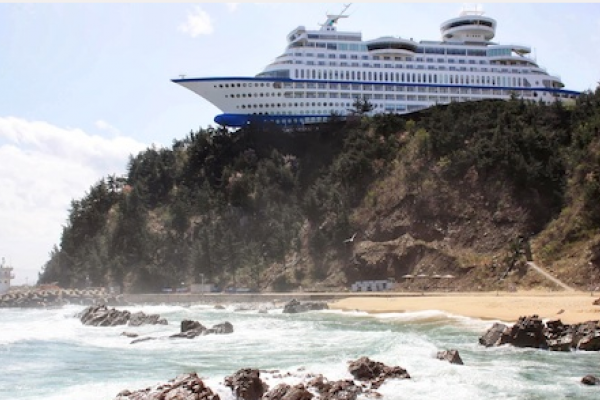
350,240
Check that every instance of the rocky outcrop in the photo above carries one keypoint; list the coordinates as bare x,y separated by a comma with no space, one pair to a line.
188,386
554,335
246,384
295,306
375,372
104,316
451,356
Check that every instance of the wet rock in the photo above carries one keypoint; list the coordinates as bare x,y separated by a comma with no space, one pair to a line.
375,372
495,336
129,334
143,339
192,329
336,390
287,392
220,329
246,384
188,325
103,316
294,306
184,387
590,380
451,356
556,336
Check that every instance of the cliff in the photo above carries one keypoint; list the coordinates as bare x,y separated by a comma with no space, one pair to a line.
469,190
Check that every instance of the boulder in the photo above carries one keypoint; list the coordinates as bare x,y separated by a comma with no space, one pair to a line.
246,384
187,325
101,315
528,332
188,386
337,390
495,336
220,329
375,372
451,356
287,392
192,329
590,380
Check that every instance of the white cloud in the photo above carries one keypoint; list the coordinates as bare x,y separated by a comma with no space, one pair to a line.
42,168
198,23
232,7
105,126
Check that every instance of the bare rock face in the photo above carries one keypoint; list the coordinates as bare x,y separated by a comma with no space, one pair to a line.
246,384
184,387
101,315
375,372
451,356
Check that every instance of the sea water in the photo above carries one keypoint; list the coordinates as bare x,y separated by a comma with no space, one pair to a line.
49,354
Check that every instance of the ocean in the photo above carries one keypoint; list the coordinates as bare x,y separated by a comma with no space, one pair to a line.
48,354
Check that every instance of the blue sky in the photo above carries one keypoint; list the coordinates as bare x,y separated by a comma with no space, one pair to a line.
82,86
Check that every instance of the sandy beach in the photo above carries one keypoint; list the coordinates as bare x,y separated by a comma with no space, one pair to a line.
569,307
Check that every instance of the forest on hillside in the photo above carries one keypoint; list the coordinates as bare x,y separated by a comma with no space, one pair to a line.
238,207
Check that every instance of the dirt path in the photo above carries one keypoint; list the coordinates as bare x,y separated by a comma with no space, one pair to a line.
545,273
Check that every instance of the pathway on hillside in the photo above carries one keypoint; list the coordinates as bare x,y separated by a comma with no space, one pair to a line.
548,276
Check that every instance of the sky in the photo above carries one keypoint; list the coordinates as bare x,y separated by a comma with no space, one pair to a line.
84,86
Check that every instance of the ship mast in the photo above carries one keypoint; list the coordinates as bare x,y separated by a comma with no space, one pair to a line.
332,19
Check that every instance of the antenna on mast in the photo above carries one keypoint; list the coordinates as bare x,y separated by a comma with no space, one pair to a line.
332,19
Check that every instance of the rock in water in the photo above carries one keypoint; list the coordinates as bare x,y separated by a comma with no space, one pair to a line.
287,392
103,316
590,380
375,372
294,306
246,384
531,332
451,356
184,387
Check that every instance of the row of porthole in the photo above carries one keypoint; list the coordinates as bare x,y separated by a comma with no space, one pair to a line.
256,84
314,104
250,95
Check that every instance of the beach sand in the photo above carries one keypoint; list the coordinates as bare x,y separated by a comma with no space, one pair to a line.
569,307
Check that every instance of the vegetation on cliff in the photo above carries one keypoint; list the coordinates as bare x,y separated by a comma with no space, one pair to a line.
444,191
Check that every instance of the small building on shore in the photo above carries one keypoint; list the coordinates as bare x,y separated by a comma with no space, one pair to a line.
6,275
373,285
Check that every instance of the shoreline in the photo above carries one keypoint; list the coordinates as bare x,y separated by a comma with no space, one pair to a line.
569,307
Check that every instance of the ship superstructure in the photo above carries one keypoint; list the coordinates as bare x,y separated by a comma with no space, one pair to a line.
322,72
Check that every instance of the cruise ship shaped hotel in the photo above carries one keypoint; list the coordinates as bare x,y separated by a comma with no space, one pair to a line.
323,71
